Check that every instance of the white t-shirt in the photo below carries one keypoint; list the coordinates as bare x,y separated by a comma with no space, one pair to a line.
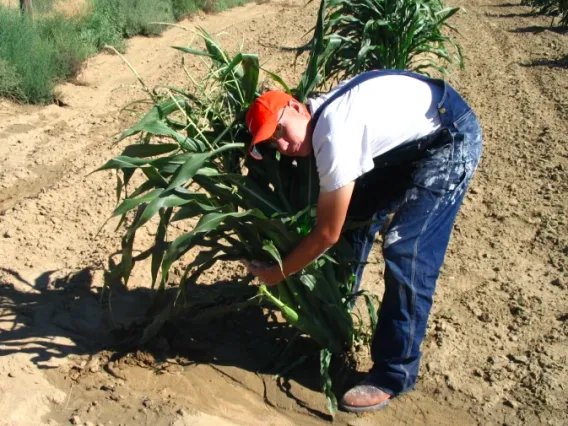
372,118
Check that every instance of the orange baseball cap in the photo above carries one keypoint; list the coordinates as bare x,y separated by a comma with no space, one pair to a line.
262,117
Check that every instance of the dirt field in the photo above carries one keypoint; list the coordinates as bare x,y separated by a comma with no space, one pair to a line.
496,349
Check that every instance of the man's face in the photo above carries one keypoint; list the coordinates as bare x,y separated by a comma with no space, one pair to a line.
293,136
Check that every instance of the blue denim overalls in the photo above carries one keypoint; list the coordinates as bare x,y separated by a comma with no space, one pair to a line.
423,183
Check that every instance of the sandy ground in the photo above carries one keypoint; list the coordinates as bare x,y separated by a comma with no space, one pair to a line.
496,349
66,7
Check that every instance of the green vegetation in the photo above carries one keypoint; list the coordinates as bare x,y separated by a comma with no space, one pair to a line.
399,34
555,8
43,6
260,214
36,55
245,209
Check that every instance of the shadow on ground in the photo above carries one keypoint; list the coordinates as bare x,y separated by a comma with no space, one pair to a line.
54,318
511,15
552,63
528,14
535,29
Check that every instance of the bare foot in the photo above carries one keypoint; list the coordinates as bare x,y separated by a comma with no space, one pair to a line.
364,397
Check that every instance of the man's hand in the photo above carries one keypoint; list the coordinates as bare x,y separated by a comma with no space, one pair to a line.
269,275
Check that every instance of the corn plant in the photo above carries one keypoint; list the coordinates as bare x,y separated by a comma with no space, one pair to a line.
361,35
554,8
192,154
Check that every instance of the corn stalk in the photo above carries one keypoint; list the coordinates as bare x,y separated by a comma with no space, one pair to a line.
361,35
245,209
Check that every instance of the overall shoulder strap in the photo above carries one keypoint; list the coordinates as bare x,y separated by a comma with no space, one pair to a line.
355,81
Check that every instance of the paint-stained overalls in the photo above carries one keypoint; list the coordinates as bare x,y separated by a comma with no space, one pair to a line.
423,183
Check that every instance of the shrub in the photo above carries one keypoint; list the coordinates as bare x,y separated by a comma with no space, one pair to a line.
9,81
103,25
183,8
69,47
29,56
220,5
43,6
138,15
39,54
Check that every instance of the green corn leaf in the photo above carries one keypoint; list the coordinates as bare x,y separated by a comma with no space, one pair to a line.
284,238
308,280
230,68
162,128
372,309
127,174
263,200
193,51
154,177
311,76
278,79
154,118
188,169
160,244
285,295
193,209
250,78
127,263
220,192
146,186
250,236
325,361
166,199
207,171
131,203
309,312
194,162
271,249
123,162
331,291
376,34
207,223
119,186
189,144
447,13
217,53
170,164
148,150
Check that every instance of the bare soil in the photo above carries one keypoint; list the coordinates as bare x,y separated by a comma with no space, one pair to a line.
496,348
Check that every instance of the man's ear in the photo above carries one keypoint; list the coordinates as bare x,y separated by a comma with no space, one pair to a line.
299,107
